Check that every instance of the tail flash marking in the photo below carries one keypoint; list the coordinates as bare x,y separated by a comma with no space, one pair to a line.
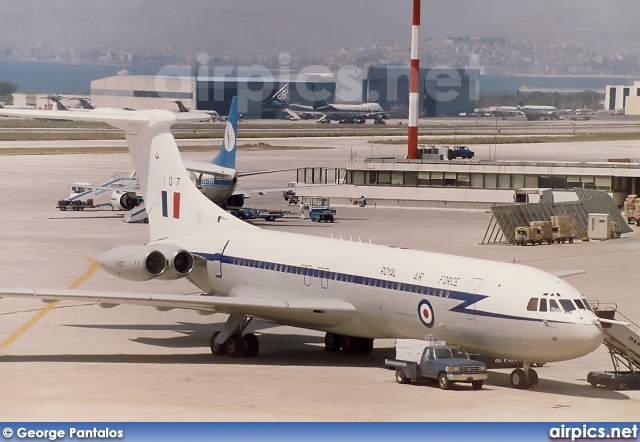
164,204
176,205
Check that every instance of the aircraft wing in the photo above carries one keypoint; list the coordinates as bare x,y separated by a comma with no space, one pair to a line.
248,300
260,172
133,187
208,168
568,272
112,115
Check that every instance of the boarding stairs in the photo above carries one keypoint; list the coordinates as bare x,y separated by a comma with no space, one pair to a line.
622,338
292,115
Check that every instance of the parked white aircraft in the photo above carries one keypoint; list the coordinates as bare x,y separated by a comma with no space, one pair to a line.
534,113
354,292
347,113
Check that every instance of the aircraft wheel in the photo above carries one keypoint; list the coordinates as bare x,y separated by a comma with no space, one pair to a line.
401,378
533,378
251,345
349,344
443,381
620,386
217,349
235,345
518,379
332,342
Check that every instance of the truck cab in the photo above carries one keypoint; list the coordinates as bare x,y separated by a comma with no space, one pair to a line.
451,364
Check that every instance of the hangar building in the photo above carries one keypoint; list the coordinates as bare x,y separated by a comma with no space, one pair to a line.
443,91
206,92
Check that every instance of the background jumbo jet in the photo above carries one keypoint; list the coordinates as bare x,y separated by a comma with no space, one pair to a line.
348,113
354,292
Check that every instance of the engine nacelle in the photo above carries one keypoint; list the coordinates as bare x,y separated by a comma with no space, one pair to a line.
179,262
133,262
144,262
123,200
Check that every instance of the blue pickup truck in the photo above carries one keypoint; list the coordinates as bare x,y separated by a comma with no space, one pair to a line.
418,360
461,152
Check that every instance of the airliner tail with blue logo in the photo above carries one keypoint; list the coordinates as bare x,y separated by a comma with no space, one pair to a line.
353,292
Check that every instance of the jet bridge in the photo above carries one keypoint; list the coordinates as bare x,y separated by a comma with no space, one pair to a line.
622,339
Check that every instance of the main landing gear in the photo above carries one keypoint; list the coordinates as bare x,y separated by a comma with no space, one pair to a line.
348,344
230,340
523,378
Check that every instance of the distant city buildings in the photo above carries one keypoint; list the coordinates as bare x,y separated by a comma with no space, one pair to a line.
493,55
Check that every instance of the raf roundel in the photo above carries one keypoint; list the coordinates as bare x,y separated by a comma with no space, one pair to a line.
425,312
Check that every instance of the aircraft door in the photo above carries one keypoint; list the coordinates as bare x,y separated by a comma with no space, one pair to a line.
471,292
324,278
307,275
219,266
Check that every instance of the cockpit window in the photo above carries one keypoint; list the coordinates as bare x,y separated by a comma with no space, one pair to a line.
532,306
543,305
553,306
582,304
567,305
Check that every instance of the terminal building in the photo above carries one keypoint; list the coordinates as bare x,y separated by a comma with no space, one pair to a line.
467,184
623,98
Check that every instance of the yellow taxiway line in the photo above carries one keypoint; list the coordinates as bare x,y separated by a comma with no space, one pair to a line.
48,308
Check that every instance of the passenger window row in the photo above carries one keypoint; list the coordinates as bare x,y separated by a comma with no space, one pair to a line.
326,274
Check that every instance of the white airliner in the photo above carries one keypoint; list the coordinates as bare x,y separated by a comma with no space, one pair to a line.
347,113
534,113
355,292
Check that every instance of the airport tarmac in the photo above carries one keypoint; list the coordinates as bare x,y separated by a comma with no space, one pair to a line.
80,362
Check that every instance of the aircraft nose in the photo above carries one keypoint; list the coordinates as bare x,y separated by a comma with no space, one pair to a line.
589,338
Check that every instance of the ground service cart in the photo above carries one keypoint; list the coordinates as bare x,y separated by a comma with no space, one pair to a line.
321,210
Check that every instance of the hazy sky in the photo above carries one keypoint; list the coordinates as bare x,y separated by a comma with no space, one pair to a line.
327,25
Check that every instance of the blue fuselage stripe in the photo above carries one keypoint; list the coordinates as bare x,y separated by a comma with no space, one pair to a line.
466,299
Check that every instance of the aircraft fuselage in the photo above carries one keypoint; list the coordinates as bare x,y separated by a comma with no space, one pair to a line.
478,304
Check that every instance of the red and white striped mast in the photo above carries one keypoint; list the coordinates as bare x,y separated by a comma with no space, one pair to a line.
414,81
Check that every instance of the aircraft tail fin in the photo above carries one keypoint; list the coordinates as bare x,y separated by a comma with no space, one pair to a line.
280,99
57,103
181,106
227,155
85,103
318,98
175,206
